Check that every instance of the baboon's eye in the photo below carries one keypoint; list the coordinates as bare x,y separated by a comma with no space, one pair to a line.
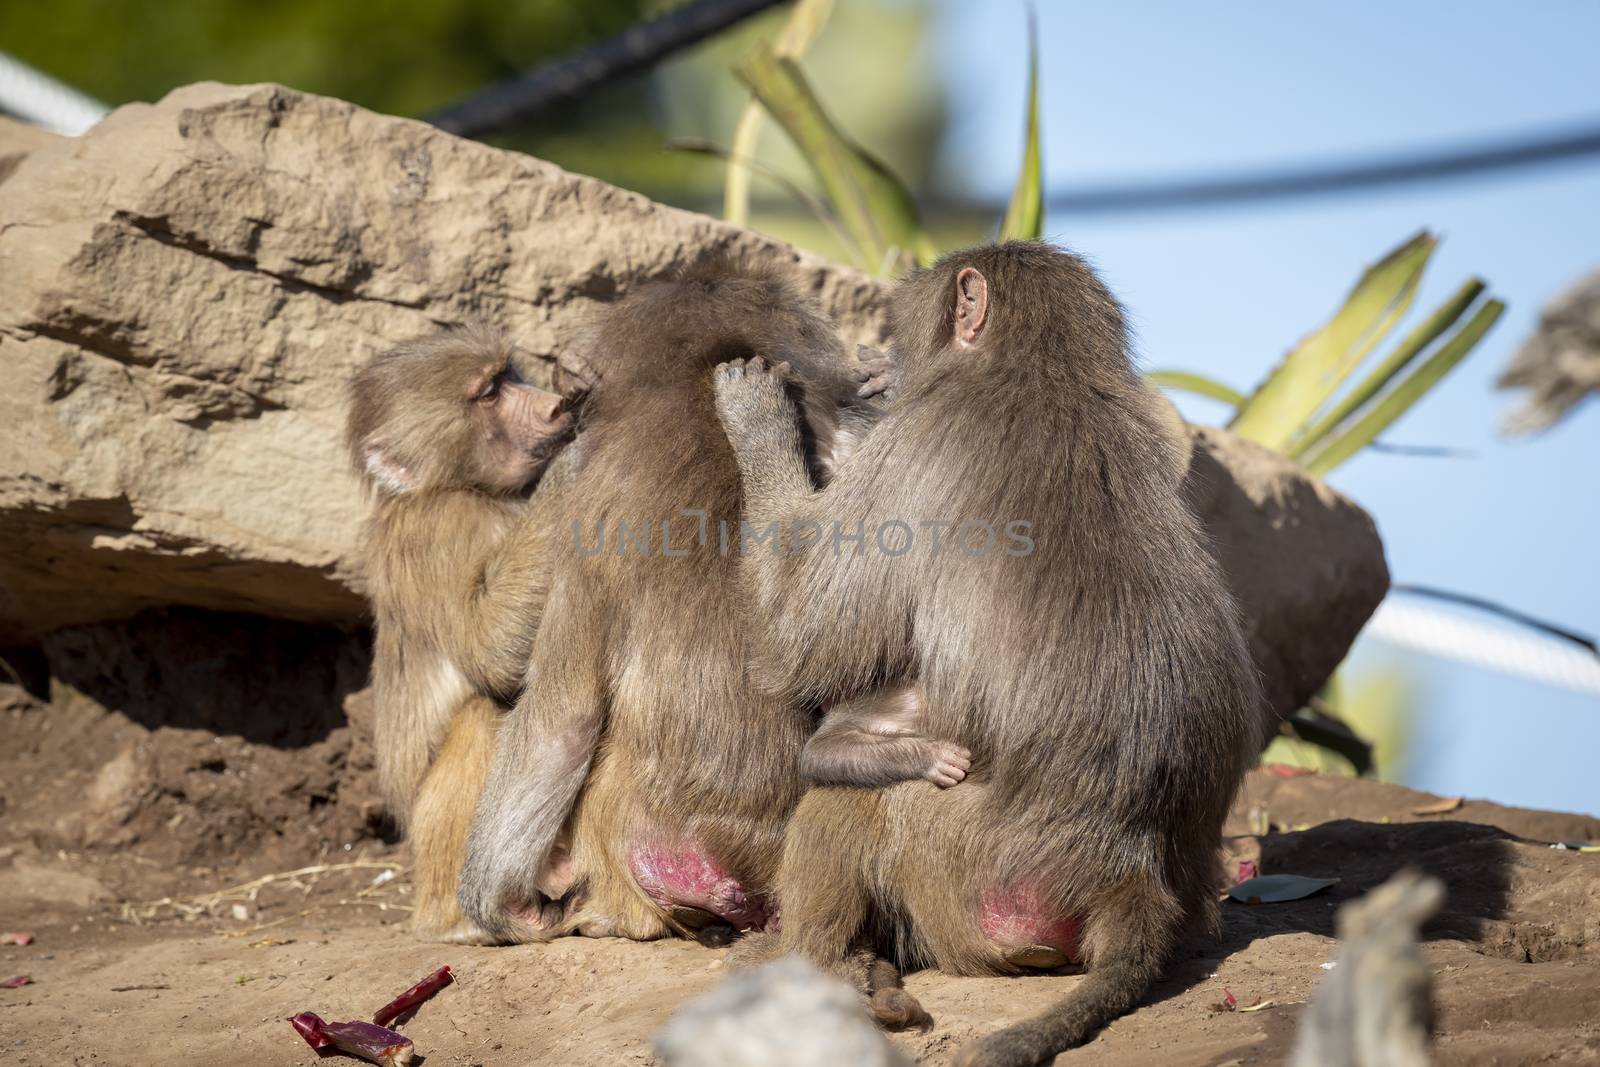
490,390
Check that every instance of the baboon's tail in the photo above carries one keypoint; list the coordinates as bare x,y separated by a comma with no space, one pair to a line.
1128,939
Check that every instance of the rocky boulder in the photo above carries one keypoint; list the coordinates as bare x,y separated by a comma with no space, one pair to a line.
185,290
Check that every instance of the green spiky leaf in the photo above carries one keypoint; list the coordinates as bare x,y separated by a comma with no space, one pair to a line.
1310,374
1197,384
1025,213
1408,350
1381,415
1333,735
872,204
803,26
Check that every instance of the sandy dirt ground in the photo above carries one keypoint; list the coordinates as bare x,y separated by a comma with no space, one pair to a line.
123,867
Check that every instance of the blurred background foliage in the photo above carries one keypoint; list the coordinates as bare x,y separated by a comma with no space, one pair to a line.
412,57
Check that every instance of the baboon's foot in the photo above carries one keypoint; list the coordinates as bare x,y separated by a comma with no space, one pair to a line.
891,1006
545,917
895,1009
754,949
462,932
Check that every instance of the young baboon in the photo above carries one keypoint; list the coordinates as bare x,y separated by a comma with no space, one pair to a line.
449,440
639,691
1097,672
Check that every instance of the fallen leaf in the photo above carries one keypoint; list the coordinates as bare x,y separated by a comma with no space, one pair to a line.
16,938
369,1041
1260,1004
1438,807
1278,888
17,982
414,996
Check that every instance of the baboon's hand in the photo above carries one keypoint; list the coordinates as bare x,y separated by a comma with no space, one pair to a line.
877,372
948,763
575,376
753,403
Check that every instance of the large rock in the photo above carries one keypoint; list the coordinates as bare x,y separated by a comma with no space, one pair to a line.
1304,562
185,289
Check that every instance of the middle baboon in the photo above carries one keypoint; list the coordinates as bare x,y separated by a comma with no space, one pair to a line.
1095,668
639,692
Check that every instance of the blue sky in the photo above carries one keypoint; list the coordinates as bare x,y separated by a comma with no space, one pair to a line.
1168,89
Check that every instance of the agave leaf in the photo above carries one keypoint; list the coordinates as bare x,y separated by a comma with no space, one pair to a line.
1025,213
1417,340
1334,735
871,202
1397,401
804,24
701,147
1198,384
1299,386
698,146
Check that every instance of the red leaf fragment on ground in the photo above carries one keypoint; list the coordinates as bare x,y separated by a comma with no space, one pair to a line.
1247,871
369,1041
18,982
1229,1001
414,996
15,938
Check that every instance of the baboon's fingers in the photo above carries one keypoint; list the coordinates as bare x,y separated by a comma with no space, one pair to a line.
950,764
575,375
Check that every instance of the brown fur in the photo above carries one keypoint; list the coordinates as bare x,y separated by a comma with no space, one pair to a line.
1101,681
639,691
456,560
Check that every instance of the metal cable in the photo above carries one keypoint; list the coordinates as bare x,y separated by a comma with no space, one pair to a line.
35,97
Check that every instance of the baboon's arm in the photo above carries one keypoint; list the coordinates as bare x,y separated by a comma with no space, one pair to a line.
541,761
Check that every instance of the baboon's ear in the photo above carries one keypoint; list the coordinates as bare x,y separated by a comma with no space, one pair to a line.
971,307
390,475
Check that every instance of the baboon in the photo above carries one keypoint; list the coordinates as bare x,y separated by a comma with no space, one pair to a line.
1098,674
638,691
449,440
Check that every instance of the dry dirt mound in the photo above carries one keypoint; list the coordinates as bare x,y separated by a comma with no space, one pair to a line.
146,954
